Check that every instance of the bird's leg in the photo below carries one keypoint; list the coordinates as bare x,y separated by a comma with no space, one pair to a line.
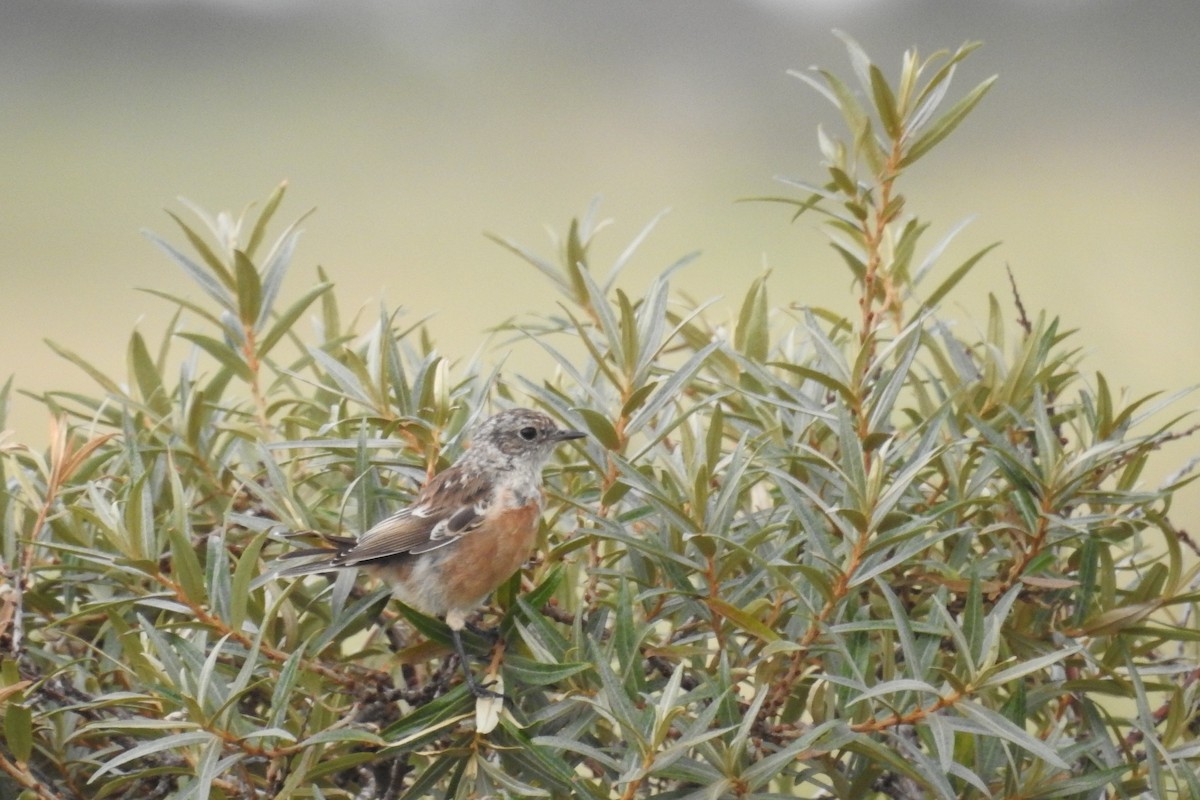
395,638
492,634
476,688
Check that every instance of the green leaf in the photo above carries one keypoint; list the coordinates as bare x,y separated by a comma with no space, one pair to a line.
351,619
852,111
941,79
175,742
953,279
210,764
206,254
1057,786
881,403
668,391
542,637
629,251
264,218
637,397
138,519
427,722
331,322
988,722
18,730
509,783
817,376
281,693
135,726
545,267
1114,620
858,269
860,62
575,260
336,766
249,289
742,620
229,358
184,563
246,570
613,696
217,577
107,383
885,104
630,346
354,735
898,686
751,337
625,637
201,276
601,428
428,782
194,308
944,125
537,761
973,623
575,746
350,384
999,677
287,320
599,359
145,373
526,672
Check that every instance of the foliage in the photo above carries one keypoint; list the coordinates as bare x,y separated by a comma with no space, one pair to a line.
801,554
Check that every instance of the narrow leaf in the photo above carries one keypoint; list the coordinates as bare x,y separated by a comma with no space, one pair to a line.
249,289
203,278
944,125
945,286
145,373
229,358
264,218
200,246
885,103
176,742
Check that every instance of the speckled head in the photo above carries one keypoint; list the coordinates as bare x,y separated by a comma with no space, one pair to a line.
518,435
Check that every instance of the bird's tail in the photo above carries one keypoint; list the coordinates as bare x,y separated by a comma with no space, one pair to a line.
322,559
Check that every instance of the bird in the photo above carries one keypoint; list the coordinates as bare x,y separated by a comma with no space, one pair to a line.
470,528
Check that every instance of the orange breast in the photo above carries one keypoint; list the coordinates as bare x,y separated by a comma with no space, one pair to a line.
486,557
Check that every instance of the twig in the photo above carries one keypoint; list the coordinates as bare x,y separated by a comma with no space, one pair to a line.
1186,538
561,615
346,677
64,461
19,772
1022,317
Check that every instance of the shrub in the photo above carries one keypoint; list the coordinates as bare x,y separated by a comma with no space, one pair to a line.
801,554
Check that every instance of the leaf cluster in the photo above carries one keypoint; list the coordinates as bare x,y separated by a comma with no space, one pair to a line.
801,554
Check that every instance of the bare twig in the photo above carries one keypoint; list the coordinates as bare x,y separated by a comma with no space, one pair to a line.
1022,317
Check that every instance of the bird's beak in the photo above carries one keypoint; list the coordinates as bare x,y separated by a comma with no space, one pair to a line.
562,436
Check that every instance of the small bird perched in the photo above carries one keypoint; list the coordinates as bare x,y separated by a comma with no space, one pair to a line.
472,526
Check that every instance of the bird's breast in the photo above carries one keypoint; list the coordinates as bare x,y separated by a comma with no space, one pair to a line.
488,556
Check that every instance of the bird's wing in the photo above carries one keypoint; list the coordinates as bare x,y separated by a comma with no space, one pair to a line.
451,505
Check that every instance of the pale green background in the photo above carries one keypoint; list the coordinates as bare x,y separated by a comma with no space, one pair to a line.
415,127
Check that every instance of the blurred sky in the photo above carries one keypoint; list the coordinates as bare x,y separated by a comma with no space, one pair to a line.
414,127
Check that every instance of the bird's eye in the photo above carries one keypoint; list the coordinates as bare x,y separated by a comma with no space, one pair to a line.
528,433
